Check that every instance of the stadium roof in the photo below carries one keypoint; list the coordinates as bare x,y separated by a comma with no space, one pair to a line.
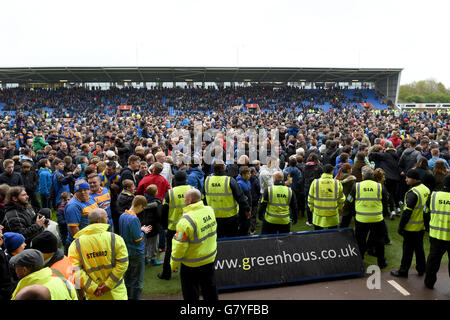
196,74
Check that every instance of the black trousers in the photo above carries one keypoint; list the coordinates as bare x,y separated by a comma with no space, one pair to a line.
413,243
227,227
271,228
167,272
437,250
199,279
346,220
376,232
308,211
392,188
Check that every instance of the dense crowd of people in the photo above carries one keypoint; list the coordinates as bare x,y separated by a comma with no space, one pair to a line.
109,174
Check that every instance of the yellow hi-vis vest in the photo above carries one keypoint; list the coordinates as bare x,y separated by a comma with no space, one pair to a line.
99,257
194,243
176,205
440,215
220,197
415,223
325,199
59,289
277,211
368,202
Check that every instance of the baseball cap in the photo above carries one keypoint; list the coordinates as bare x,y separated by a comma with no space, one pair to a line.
81,186
45,242
28,258
12,241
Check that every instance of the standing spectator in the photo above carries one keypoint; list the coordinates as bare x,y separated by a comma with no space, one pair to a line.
61,182
388,161
30,182
77,210
102,196
19,217
426,175
133,235
296,177
126,197
10,177
154,178
143,171
7,275
243,180
152,217
45,183
4,188
196,177
130,171
348,181
313,170
435,157
167,170
61,218
256,195
38,141
439,173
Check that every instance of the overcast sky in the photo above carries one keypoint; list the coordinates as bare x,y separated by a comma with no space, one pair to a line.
413,35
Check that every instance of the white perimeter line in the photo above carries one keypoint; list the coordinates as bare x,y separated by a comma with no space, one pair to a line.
398,287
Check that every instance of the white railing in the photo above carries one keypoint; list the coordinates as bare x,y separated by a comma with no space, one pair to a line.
431,106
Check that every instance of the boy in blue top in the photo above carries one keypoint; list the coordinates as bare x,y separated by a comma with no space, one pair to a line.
243,180
45,182
132,233
61,183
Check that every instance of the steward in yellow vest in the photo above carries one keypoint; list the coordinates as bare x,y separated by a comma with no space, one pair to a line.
326,200
171,213
100,259
411,226
369,201
437,222
29,266
224,195
279,207
194,246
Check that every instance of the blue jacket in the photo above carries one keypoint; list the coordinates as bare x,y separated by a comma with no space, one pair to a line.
45,181
296,176
433,160
196,178
244,184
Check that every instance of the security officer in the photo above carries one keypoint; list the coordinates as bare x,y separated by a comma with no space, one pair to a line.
100,259
369,200
437,221
194,246
225,196
326,200
171,213
411,225
279,205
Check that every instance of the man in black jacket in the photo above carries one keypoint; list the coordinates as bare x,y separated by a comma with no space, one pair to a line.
30,182
129,172
10,177
19,217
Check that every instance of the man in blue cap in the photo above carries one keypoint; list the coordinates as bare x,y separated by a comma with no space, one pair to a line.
77,210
